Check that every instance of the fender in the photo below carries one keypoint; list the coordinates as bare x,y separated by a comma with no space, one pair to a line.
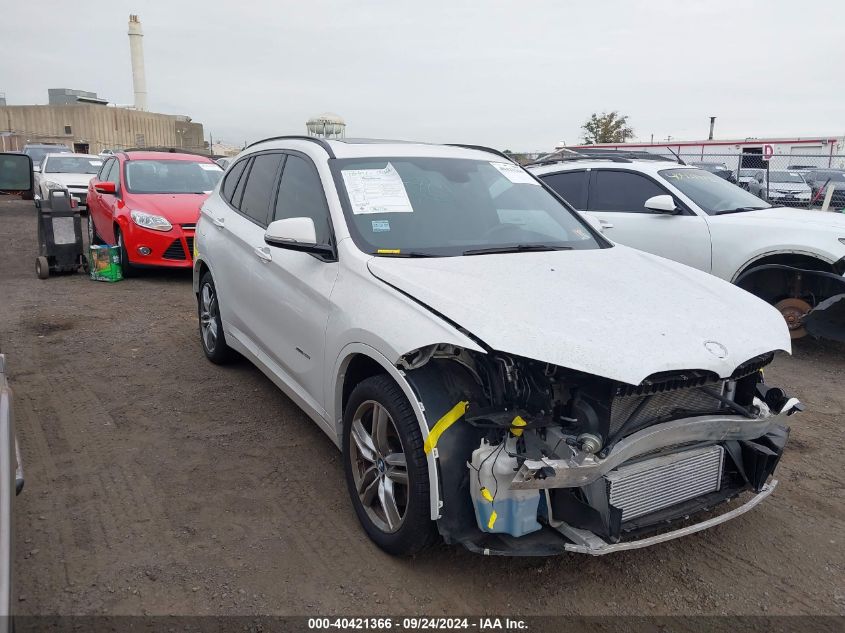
340,365
744,268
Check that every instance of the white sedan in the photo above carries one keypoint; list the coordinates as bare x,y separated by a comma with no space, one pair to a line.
494,370
71,172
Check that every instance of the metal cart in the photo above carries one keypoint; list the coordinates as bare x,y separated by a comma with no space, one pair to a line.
60,247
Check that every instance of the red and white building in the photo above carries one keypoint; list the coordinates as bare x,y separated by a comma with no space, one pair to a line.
823,151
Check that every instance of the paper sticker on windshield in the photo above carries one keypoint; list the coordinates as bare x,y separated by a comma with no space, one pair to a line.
210,167
380,226
96,163
376,191
516,174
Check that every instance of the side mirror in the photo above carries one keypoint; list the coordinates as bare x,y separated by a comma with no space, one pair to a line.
106,186
297,234
661,204
15,173
36,169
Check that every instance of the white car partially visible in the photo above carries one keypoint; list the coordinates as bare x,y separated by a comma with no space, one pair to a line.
792,258
70,172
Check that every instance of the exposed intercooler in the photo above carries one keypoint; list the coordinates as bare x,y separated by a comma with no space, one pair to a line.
653,484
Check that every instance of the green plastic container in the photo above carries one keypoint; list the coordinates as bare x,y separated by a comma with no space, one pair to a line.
105,263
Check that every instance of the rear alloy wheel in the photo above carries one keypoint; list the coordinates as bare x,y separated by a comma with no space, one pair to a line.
211,327
386,469
794,310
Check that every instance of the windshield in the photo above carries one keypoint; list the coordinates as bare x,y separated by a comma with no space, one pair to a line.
785,176
37,154
171,176
746,173
449,206
72,165
713,194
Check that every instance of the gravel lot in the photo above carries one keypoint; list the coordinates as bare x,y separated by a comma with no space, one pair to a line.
158,483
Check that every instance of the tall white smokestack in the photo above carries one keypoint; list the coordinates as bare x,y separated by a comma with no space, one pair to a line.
136,49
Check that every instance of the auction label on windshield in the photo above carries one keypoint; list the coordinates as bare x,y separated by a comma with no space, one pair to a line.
516,174
376,191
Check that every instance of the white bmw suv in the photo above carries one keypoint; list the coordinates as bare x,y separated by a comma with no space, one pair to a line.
494,371
792,258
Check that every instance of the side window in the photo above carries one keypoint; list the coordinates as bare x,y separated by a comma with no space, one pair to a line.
114,173
571,186
260,186
232,179
301,195
103,174
621,191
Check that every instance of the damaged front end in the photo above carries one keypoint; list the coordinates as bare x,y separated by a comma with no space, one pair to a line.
536,459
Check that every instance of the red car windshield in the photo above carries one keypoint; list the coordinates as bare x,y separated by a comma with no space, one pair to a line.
171,176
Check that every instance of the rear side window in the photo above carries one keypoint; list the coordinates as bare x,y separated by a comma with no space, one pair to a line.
260,186
232,179
301,196
571,186
622,191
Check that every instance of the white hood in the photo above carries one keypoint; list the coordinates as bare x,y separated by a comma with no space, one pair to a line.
67,180
800,217
617,312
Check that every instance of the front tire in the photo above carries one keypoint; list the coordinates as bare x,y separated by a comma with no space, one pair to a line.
125,266
93,238
212,337
386,469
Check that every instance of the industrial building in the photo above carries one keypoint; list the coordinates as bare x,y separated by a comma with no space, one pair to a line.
92,128
86,123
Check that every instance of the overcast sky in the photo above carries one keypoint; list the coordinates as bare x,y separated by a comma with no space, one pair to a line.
517,75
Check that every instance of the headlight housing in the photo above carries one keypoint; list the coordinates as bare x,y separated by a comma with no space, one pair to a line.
150,221
51,184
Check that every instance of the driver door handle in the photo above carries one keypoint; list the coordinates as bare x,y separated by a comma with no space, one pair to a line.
263,253
605,224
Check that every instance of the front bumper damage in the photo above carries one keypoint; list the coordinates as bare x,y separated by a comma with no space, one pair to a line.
587,500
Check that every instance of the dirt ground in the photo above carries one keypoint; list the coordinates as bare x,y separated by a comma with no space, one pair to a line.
158,483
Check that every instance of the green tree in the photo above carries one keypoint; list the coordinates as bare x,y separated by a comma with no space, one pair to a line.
607,127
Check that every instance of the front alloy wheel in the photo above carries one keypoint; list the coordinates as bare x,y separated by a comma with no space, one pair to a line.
386,468
378,466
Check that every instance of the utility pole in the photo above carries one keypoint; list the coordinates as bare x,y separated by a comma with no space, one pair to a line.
712,125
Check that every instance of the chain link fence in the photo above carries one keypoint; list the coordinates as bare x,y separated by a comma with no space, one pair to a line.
805,181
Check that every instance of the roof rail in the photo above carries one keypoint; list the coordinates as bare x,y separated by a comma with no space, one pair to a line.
567,159
295,137
482,148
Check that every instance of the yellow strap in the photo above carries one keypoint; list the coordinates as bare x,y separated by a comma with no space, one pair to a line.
454,414
516,424
492,520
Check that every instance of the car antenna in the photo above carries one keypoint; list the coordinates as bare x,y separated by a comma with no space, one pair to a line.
675,154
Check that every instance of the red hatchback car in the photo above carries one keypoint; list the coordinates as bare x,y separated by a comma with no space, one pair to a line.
148,203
